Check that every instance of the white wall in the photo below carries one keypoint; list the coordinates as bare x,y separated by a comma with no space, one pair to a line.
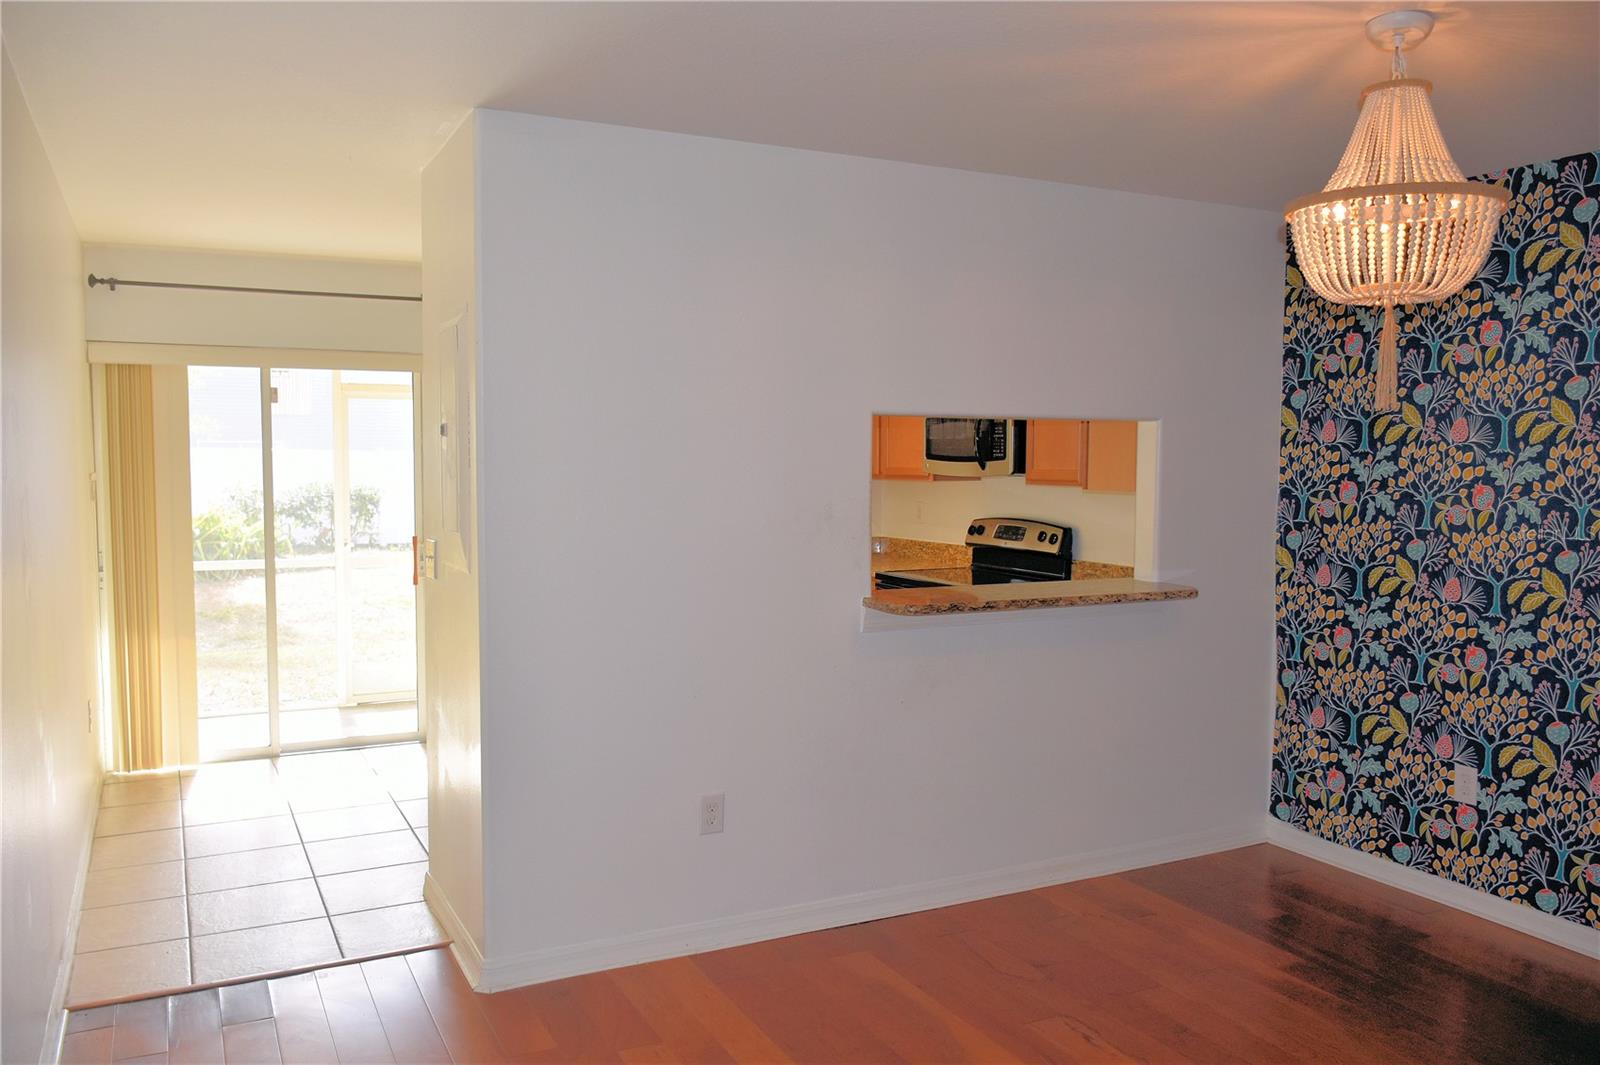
450,601
185,316
49,760
682,340
1102,523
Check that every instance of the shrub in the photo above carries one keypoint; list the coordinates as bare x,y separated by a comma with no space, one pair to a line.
303,520
305,516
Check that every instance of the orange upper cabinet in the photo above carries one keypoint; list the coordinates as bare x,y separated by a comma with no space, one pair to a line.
1113,457
1056,448
898,443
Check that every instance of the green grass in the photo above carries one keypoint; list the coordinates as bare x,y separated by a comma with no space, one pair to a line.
231,627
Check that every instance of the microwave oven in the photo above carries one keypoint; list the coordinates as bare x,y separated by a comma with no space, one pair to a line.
974,447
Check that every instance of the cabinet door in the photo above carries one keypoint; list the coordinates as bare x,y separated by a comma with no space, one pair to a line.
1055,450
897,448
1113,457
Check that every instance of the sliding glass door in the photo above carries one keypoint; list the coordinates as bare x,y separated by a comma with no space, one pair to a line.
230,588
302,491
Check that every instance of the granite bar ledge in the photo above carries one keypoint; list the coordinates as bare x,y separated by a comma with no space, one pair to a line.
1045,595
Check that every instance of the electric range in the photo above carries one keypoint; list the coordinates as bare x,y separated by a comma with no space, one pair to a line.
1004,551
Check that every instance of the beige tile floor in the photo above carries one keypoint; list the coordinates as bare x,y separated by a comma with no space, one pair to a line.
242,869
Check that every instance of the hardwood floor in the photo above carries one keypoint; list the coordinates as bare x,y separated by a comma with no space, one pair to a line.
1254,955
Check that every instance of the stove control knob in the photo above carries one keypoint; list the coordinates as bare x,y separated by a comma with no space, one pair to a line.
1054,537
1041,536
977,530
972,530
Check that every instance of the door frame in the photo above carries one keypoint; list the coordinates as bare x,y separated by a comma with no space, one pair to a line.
341,396
181,714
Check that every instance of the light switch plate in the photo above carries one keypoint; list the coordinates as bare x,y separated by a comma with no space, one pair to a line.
1464,783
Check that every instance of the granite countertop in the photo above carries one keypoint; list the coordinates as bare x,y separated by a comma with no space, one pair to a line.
1094,571
967,599
894,553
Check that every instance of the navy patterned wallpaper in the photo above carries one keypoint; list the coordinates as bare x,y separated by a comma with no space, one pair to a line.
1438,589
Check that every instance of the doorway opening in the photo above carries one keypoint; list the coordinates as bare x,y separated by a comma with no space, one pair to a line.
302,495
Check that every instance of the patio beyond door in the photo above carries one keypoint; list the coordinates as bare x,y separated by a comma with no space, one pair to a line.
302,493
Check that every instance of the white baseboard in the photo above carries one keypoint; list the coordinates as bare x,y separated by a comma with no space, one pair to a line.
50,1049
1562,933
555,963
462,945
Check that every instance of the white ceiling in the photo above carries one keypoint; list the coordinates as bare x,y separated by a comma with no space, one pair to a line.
302,127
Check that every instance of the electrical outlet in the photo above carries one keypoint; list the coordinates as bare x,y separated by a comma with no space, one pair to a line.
1464,783
710,814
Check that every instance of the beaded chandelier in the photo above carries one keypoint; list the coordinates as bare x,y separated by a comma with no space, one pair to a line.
1397,223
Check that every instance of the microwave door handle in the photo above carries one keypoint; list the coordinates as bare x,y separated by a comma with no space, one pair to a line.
980,442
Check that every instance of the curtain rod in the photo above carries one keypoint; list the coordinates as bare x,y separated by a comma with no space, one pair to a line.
113,282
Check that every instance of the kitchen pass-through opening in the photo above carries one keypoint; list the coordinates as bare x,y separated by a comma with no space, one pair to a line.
961,500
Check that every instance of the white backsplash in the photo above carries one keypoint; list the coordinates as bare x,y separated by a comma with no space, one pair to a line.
1102,523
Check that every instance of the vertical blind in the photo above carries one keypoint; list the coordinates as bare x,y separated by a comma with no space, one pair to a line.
135,603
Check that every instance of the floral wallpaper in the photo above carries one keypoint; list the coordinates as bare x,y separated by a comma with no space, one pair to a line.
1438,588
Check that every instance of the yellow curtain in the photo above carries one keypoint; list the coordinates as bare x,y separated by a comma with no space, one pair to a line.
135,625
